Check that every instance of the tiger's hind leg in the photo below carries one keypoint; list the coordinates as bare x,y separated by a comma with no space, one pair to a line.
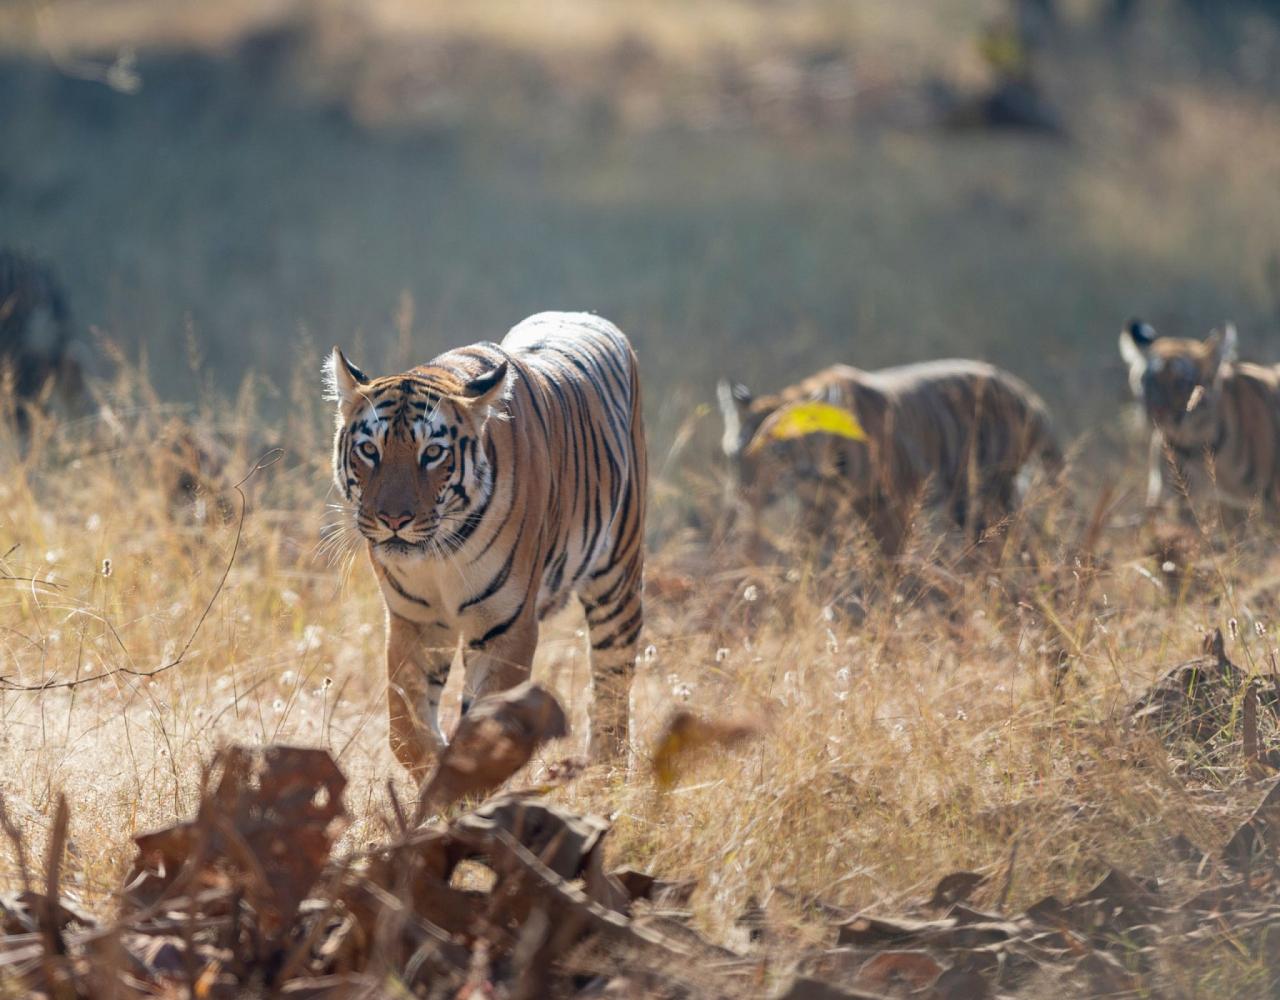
613,603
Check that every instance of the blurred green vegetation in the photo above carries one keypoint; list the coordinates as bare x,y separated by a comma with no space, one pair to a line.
757,203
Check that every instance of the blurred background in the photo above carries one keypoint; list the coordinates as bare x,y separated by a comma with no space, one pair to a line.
753,189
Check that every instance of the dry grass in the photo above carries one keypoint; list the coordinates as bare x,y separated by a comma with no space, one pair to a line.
904,736
907,733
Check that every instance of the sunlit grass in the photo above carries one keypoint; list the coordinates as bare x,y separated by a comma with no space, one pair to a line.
902,736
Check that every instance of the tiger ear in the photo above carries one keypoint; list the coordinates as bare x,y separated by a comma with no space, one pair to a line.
1222,345
342,380
734,400
487,389
1135,340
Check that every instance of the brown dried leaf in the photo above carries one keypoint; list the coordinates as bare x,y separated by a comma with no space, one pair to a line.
955,888
568,844
268,826
916,970
805,988
492,742
1106,975
340,987
886,932
960,984
642,885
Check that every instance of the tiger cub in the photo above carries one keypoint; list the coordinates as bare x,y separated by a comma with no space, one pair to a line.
489,485
1214,419
954,434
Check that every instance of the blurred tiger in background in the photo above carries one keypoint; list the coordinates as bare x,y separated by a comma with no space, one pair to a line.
488,486
951,434
36,339
1214,419
42,373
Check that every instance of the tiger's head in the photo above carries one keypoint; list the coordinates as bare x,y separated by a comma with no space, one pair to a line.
743,414
765,468
1178,381
409,454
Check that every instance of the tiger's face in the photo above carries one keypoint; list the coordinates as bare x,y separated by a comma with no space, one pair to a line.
1178,381
409,455
768,471
743,414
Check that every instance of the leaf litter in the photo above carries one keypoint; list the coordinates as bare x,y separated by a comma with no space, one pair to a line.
249,897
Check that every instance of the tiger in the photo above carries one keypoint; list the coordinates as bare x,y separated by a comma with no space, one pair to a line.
489,485
953,433
36,334
1213,419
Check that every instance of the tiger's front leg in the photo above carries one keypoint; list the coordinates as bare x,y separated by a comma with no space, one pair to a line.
498,664
418,661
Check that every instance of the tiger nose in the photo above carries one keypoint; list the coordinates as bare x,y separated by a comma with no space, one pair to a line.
395,521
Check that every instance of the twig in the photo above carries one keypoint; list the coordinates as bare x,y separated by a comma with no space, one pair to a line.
265,462
54,945
19,845
1008,877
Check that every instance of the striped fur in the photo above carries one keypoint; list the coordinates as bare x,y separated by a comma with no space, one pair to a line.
1214,420
950,433
490,485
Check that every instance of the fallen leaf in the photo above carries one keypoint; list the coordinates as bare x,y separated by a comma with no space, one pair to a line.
497,737
684,734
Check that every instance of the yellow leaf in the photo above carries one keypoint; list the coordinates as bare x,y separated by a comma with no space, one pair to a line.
685,733
800,419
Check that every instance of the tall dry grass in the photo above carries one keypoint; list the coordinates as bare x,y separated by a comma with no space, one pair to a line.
961,712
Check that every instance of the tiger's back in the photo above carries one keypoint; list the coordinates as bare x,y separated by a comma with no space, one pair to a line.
957,416
954,433
581,381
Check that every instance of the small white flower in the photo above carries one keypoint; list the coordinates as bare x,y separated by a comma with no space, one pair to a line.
106,567
1168,566
751,594
290,599
722,654
650,653
277,706
287,678
311,636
